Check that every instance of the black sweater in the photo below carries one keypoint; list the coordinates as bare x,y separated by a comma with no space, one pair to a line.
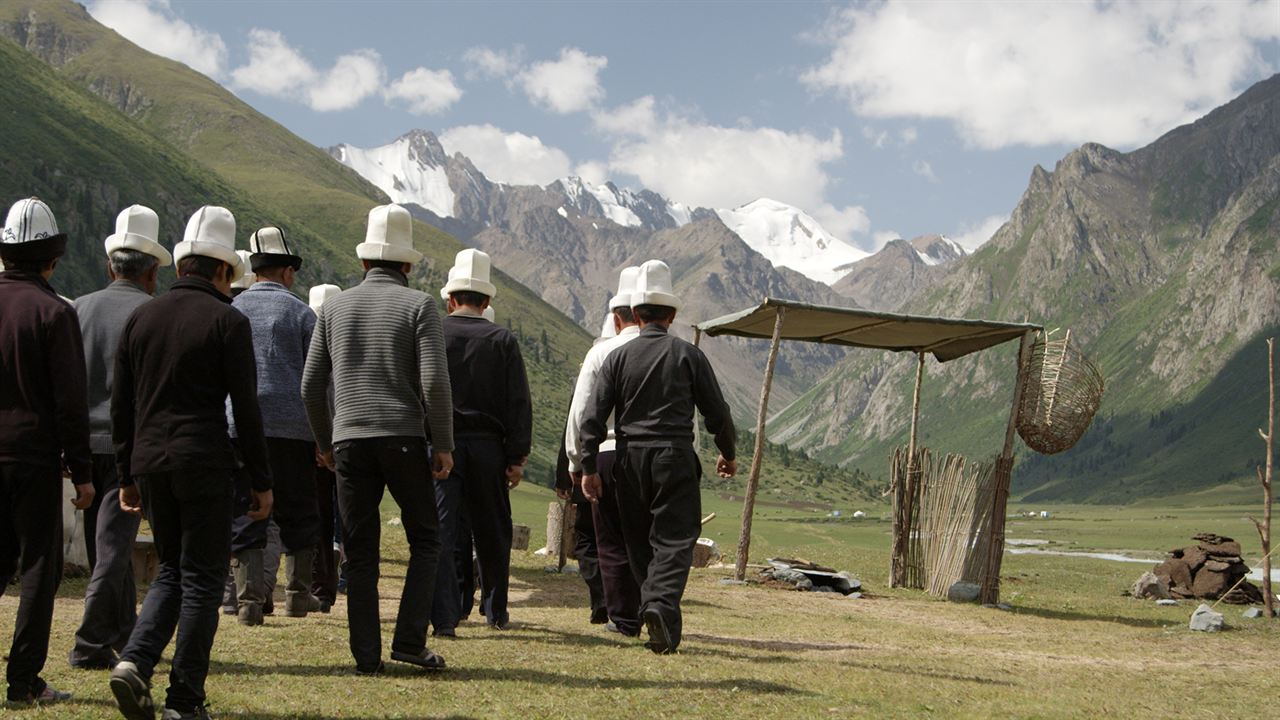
181,356
490,389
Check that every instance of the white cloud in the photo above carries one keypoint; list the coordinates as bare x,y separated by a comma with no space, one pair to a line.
635,118
877,138
277,69
1120,73
972,237
844,222
513,157
593,172
353,78
485,62
152,25
426,92
567,85
924,170
880,238
907,135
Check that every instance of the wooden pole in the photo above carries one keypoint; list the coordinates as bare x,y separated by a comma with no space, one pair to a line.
697,429
753,478
1265,477
902,530
1004,475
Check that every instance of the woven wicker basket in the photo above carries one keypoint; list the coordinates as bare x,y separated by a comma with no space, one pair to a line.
1064,389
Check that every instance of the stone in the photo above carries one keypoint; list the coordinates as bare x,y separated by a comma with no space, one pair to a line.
1194,557
1150,587
824,589
1217,566
519,537
963,592
1166,601
732,581
1174,572
854,596
1204,619
1252,613
1227,548
846,584
705,552
804,584
1211,584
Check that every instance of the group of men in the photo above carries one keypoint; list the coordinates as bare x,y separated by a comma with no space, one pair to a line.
225,422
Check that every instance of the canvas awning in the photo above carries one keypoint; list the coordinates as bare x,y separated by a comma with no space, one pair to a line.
946,338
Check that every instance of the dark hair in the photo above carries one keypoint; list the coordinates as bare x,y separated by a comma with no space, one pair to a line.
654,313
386,265
131,264
272,272
469,298
200,266
33,267
626,315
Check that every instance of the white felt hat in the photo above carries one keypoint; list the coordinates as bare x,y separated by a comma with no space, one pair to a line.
488,314
269,248
31,232
138,228
320,294
389,237
245,278
626,286
608,330
211,232
470,273
654,287
444,291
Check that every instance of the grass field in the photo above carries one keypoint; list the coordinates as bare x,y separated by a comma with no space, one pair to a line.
1072,646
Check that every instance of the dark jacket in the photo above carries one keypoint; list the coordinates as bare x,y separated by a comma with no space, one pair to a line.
44,406
490,388
653,384
180,356
102,318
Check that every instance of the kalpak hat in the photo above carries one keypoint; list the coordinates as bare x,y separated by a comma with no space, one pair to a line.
653,286
488,314
31,233
320,294
626,286
138,229
247,277
211,232
269,249
607,330
389,237
470,273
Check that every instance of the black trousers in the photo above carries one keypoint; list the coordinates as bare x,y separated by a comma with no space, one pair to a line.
31,546
295,509
110,601
446,609
621,590
480,463
324,572
584,547
365,469
661,509
187,510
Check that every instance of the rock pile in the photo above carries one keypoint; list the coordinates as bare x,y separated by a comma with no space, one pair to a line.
1207,570
804,575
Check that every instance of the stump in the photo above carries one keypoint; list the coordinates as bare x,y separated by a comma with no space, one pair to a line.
519,537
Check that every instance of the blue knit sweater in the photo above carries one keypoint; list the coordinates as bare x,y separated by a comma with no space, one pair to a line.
282,325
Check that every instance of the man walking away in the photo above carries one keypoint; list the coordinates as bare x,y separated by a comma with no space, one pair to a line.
44,422
493,425
652,385
180,356
621,591
324,583
379,344
134,259
282,325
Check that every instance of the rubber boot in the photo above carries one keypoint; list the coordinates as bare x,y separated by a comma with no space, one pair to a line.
246,565
298,570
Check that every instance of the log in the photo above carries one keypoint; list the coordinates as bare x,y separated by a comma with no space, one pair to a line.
753,478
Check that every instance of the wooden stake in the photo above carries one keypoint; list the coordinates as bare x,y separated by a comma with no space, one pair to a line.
1265,477
697,428
901,530
753,478
1004,475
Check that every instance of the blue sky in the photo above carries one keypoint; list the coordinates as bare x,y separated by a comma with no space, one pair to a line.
883,119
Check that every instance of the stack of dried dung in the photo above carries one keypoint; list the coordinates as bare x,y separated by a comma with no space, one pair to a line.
1208,570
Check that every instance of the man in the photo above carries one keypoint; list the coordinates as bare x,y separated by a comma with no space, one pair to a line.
44,423
493,426
585,547
380,346
324,583
621,591
651,385
282,326
134,259
181,355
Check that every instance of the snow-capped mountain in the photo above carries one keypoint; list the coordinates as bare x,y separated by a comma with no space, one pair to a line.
937,249
410,170
789,237
624,207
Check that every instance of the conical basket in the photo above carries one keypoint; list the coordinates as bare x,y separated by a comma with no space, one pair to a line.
1063,392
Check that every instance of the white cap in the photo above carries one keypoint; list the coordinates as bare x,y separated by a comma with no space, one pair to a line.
626,286
654,287
31,232
247,277
608,330
320,294
487,314
470,273
389,236
138,228
268,248
211,232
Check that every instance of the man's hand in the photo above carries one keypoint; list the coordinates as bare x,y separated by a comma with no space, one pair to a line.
441,464
564,493
515,473
726,468
592,487
260,504
130,499
325,459
84,496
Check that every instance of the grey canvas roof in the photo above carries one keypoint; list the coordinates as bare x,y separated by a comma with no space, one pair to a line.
946,338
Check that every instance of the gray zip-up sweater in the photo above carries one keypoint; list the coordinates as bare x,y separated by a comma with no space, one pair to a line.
282,328
102,318
381,344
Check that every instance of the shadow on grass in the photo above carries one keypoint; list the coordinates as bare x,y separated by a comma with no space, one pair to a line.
927,673
772,645
1069,615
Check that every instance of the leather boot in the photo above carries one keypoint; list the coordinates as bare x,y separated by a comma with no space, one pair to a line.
298,570
246,566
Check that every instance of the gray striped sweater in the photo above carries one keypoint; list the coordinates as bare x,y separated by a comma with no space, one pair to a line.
381,345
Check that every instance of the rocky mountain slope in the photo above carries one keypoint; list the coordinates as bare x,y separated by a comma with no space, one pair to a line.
789,237
891,277
1164,264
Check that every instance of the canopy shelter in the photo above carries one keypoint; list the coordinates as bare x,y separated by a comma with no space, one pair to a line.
946,338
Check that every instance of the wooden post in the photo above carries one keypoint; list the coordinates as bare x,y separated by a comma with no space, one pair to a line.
1265,477
902,530
697,428
1004,475
753,478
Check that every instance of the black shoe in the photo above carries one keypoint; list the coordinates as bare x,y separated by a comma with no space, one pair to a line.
229,609
659,636
200,713
98,662
599,616
613,628
132,691
47,696
375,670
426,659
445,632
